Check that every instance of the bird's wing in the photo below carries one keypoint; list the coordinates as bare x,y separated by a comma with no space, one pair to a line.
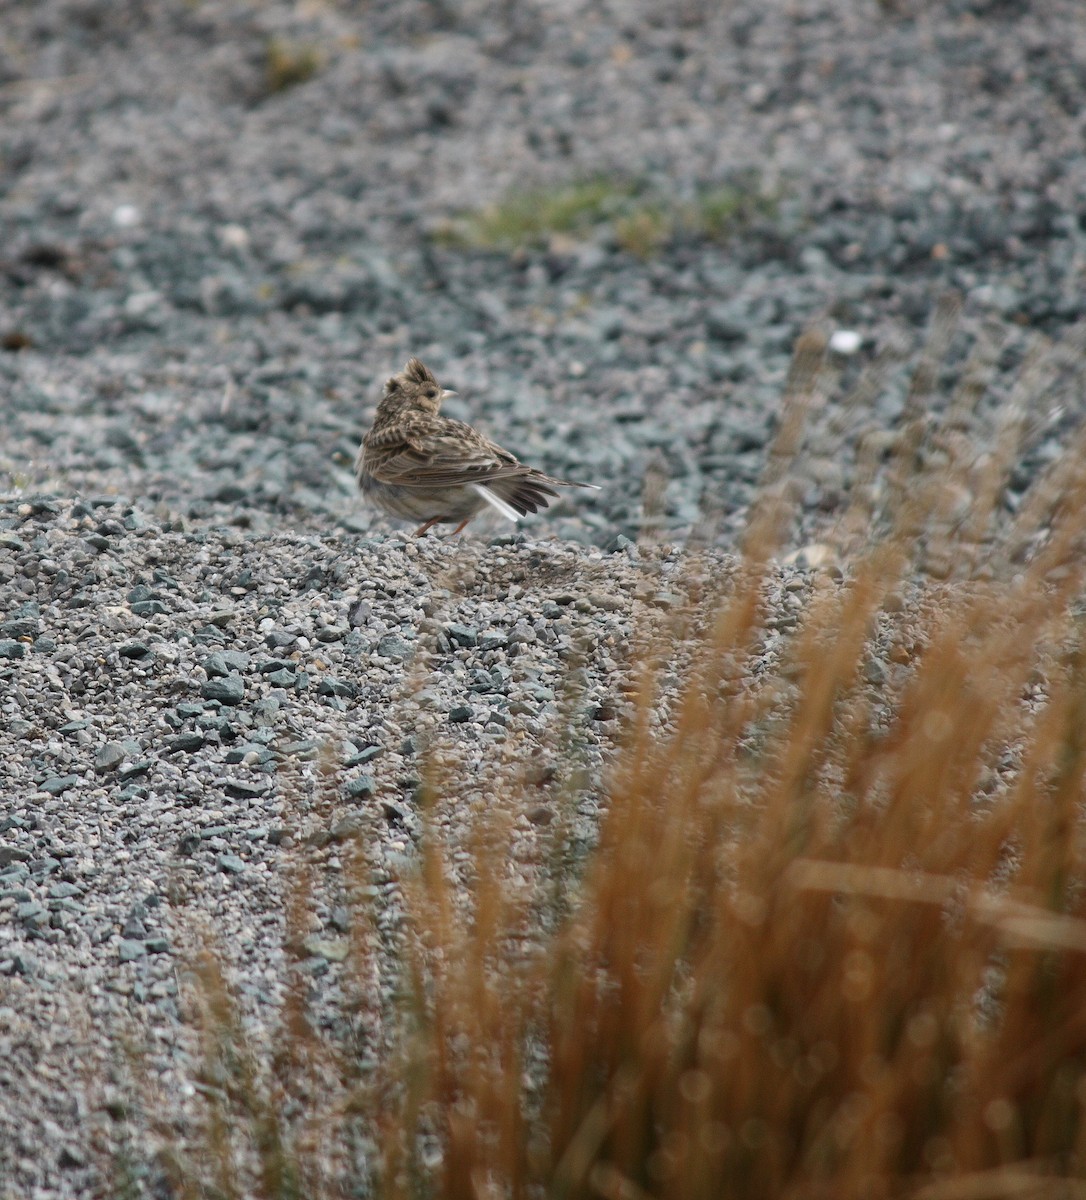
435,452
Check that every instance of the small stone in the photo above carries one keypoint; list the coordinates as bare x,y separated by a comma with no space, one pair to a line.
306,750
875,672
269,665
606,602
845,341
184,741
237,754
240,789
222,662
12,649
148,608
228,690
70,1158
130,949
330,949
541,815
231,864
328,686
394,648
30,912
460,714
282,679
134,929
133,650
20,627
462,635
363,756
109,757
345,830
362,788
59,783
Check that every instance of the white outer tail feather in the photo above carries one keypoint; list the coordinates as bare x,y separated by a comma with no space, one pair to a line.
497,502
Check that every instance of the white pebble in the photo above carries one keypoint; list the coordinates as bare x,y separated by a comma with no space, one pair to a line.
845,341
126,215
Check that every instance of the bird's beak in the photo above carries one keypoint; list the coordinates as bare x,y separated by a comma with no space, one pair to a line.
448,392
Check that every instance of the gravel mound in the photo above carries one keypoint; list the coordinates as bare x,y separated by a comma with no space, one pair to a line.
208,649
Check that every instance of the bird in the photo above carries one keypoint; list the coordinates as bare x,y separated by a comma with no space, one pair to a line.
416,464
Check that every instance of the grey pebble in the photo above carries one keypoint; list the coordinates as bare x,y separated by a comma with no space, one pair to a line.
131,949
227,690
184,741
224,662
109,757
59,783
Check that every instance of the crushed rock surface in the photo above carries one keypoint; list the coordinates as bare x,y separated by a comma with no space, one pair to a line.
211,655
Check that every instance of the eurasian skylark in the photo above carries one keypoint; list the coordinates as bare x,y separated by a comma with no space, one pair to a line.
421,466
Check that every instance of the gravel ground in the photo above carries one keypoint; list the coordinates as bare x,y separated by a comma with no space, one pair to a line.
204,280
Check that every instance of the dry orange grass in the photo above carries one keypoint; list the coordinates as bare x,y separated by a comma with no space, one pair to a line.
831,943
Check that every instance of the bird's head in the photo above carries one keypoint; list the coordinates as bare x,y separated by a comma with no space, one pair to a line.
414,388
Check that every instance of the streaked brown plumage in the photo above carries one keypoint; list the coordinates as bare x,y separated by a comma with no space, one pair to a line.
419,465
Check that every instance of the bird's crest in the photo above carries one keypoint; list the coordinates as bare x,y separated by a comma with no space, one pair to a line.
416,371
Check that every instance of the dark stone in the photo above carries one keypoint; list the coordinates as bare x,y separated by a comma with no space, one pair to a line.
462,635
240,789
148,608
184,741
222,662
228,690
59,783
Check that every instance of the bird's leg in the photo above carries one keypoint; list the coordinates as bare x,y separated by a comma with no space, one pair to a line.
460,527
427,526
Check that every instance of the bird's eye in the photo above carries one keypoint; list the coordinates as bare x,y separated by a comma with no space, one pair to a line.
431,393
